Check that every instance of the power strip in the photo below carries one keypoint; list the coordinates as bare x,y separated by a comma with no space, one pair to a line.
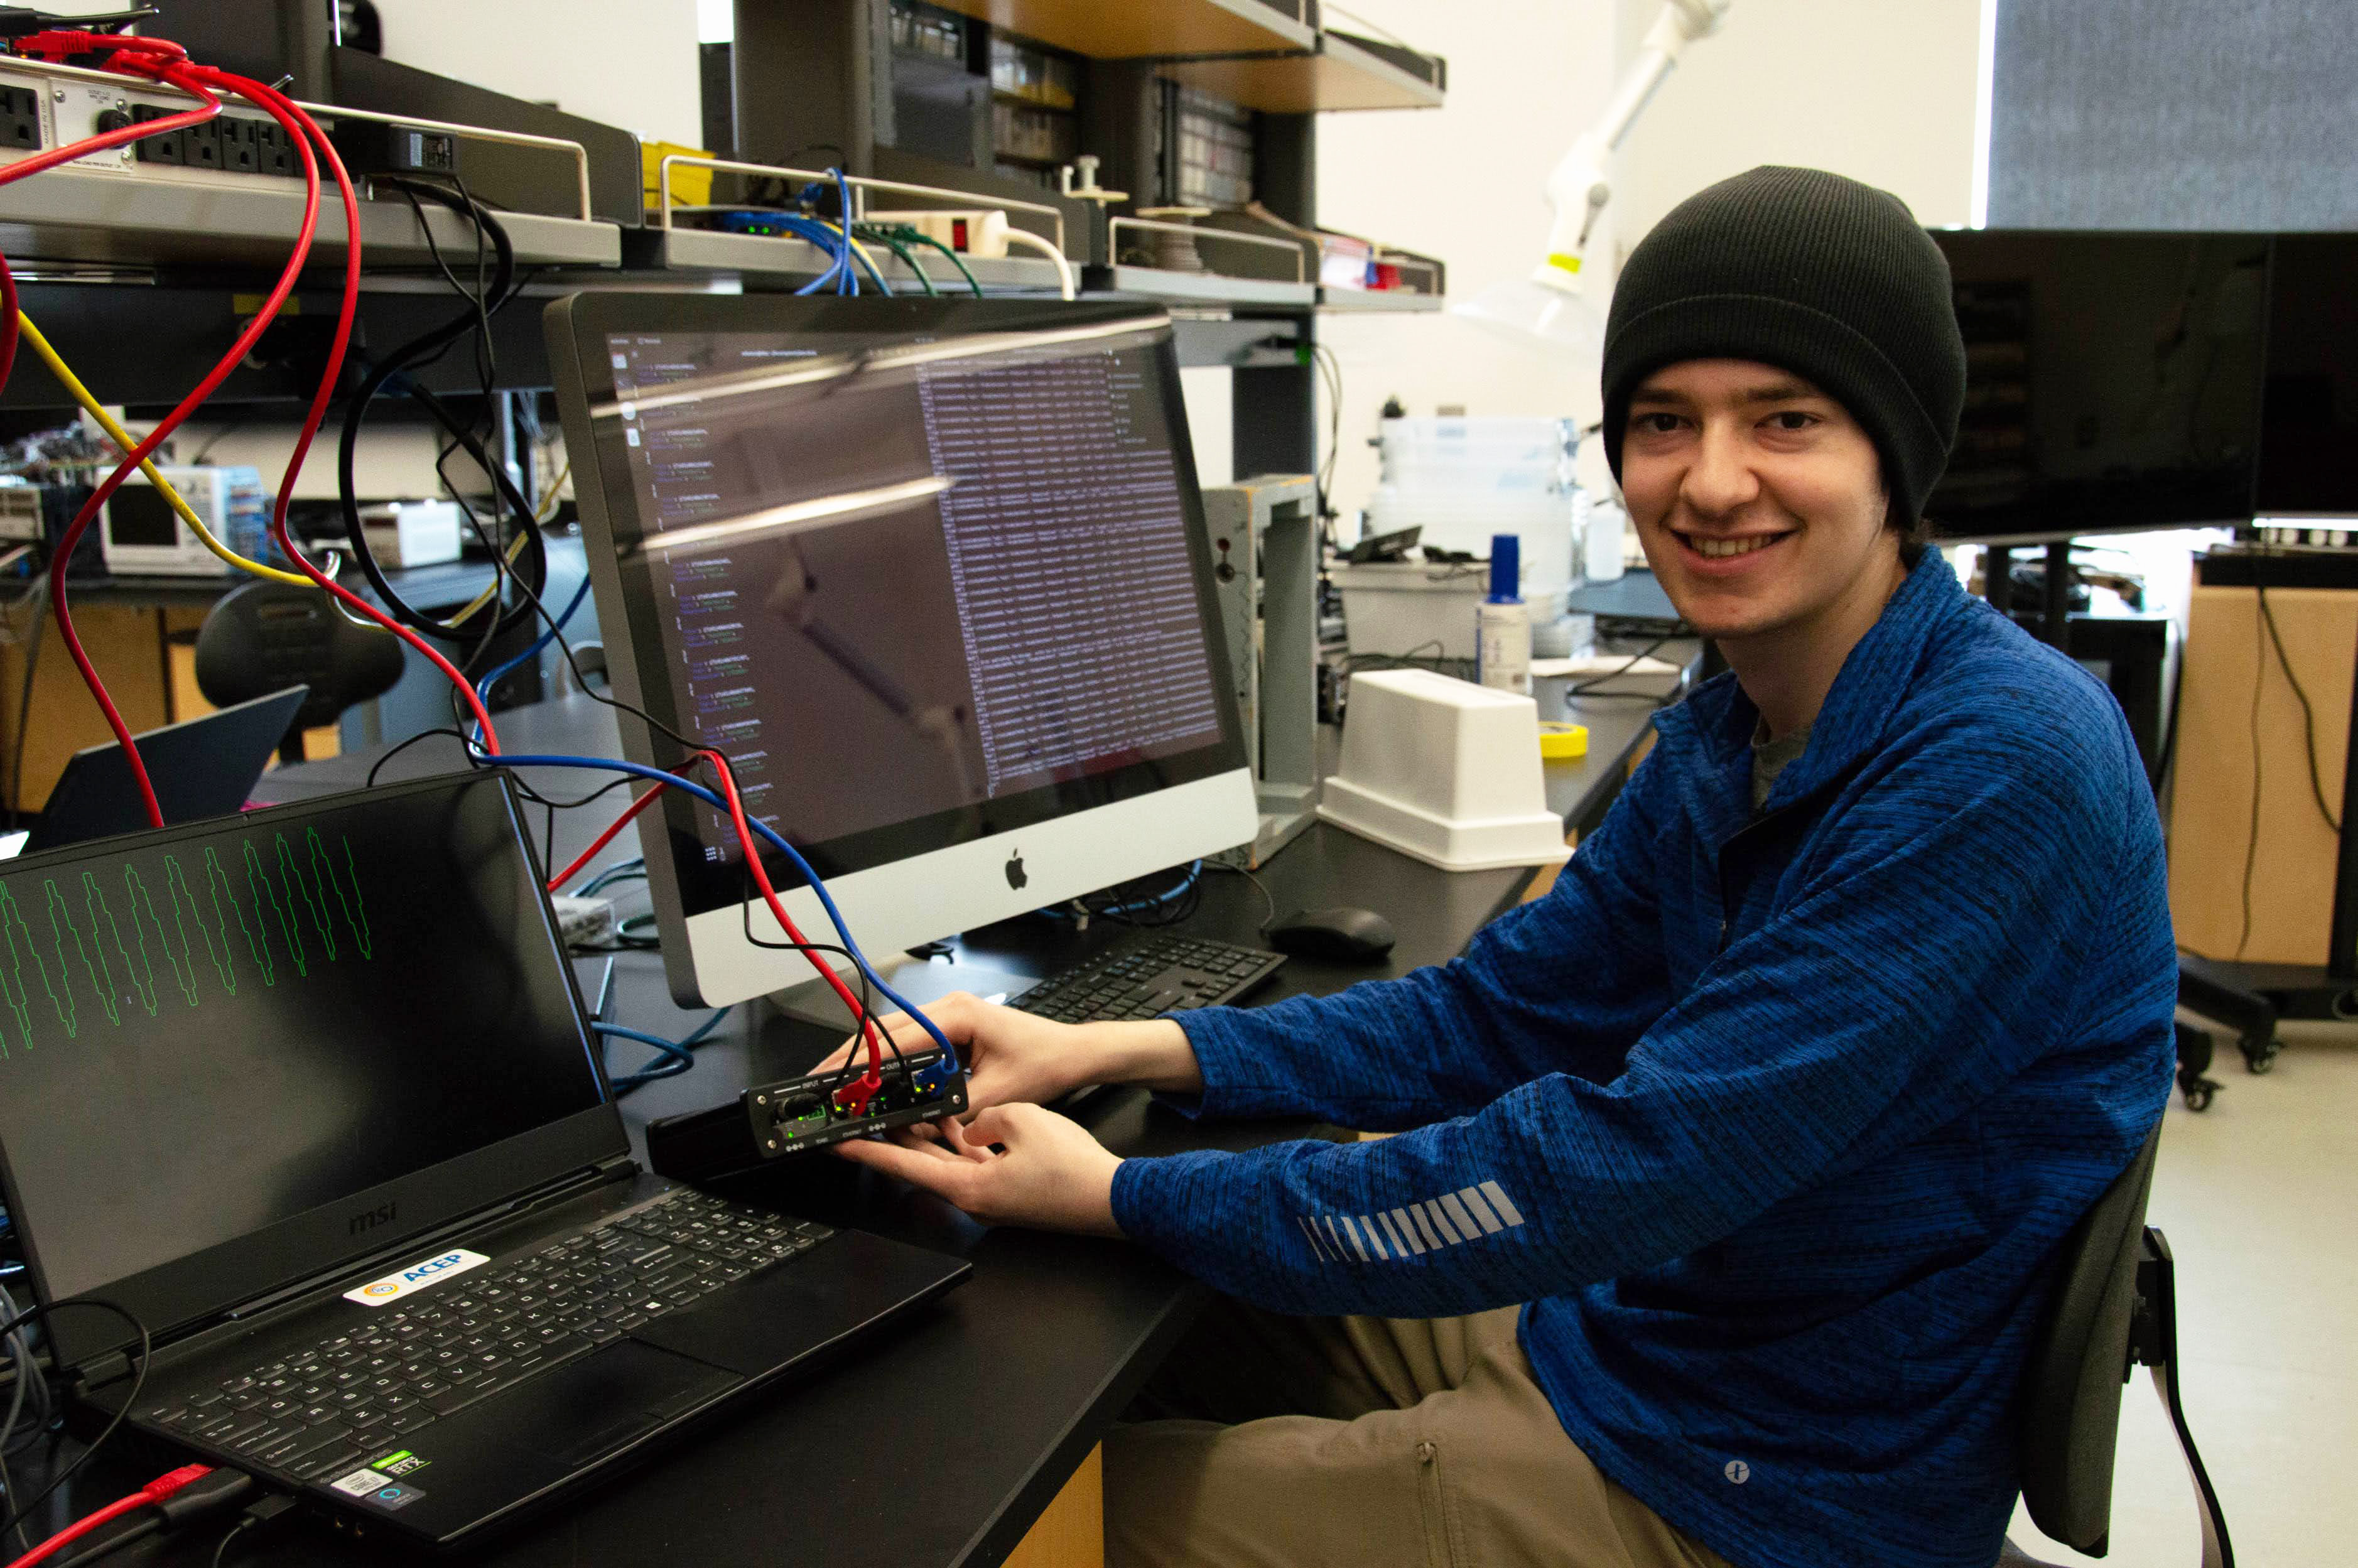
43,107
795,1116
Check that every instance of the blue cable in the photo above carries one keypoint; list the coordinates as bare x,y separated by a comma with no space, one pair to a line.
613,873
483,686
843,211
1136,906
841,272
794,858
828,239
675,1059
825,241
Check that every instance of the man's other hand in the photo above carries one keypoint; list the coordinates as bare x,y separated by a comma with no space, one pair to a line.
1011,1165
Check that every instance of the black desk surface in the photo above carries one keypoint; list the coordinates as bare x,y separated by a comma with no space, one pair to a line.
942,1445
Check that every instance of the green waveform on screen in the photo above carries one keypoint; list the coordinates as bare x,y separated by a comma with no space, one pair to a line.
300,905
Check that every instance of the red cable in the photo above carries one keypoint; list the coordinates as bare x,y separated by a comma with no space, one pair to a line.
304,130
583,858
63,553
168,63
856,1094
148,1496
25,167
162,52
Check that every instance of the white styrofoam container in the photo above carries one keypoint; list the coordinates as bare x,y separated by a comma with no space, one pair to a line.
1444,771
1401,608
1545,447
1542,521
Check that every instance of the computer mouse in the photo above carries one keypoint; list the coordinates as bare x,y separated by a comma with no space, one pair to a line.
1343,935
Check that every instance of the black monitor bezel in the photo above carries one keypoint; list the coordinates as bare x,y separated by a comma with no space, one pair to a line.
171,1298
683,883
2044,530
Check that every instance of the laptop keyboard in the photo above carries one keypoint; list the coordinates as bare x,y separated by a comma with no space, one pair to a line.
329,1404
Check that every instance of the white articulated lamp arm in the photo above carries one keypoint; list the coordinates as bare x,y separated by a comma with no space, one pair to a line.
1580,187
1551,304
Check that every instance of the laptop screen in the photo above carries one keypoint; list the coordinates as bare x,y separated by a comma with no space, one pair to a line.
229,1055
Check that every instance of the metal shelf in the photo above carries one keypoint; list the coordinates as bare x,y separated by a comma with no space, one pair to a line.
1128,29
784,259
1334,74
1378,301
1205,287
70,215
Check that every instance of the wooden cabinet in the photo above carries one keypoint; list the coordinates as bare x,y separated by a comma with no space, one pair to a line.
2239,719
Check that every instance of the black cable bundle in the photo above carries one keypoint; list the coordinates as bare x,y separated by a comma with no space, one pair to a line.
393,373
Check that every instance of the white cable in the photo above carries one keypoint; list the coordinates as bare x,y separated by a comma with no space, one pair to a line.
1031,241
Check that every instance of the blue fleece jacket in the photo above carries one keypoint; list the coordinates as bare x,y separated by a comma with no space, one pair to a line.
1773,1121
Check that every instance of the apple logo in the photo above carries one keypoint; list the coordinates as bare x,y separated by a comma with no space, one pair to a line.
1015,875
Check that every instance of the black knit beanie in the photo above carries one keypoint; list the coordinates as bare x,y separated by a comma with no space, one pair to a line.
1813,273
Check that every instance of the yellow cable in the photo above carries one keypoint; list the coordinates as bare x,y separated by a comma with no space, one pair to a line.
124,438
542,513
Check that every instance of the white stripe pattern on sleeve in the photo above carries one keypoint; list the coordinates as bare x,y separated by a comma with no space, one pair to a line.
1415,1230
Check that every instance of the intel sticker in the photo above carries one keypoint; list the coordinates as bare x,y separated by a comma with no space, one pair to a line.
416,1277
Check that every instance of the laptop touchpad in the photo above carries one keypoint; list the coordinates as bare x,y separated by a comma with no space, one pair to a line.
586,1411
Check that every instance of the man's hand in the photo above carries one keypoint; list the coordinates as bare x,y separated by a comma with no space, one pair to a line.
1046,1171
1015,1058
1010,1056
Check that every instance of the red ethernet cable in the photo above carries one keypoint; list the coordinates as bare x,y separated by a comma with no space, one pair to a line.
168,63
148,1496
853,1095
583,858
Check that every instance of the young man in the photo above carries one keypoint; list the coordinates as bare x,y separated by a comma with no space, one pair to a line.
1727,1173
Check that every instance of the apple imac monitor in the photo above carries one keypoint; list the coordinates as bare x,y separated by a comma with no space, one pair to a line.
931,573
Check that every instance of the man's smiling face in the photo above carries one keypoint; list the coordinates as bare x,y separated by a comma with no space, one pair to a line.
1760,500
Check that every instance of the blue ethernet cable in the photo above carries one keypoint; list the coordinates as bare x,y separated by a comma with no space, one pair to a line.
676,1056
835,245
483,686
777,841
620,871
1136,906
837,267
843,211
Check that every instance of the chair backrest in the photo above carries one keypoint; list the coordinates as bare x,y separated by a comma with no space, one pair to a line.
2071,1410
266,636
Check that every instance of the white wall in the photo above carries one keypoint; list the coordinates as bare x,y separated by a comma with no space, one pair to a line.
1463,183
631,63
1879,90
1882,90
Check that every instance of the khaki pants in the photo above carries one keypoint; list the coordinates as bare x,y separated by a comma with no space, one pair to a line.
1360,1442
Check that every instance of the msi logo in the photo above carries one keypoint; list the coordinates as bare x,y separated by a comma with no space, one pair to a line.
369,1219
1015,873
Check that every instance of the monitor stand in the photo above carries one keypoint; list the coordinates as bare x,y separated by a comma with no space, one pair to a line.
923,983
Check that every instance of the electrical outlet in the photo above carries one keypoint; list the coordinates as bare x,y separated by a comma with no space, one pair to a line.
20,119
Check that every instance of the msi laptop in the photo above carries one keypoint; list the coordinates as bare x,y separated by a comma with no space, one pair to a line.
312,1093
200,767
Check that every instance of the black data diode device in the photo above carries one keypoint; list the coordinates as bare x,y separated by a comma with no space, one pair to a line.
795,1116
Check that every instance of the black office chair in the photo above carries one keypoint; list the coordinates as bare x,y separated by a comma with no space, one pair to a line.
266,636
2115,1309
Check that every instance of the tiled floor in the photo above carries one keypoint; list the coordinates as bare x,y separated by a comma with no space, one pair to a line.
2258,1196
